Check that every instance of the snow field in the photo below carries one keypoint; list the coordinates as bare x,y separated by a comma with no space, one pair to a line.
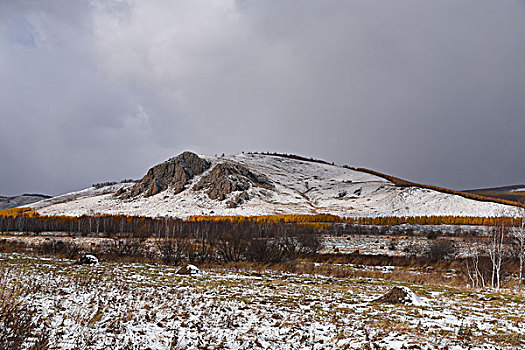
139,306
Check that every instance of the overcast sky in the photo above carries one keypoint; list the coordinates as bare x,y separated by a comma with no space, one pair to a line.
91,91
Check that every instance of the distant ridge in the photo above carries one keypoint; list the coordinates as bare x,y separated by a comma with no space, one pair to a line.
498,189
512,193
24,199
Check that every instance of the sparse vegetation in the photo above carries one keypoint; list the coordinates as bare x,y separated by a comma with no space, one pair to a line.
21,326
441,249
252,308
110,183
308,290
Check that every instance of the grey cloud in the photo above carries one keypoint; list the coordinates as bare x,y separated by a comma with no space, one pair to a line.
101,90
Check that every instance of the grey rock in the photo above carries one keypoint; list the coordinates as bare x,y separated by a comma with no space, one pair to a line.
228,177
189,270
87,260
174,173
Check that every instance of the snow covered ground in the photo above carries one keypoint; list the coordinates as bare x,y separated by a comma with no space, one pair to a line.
301,187
18,201
136,306
74,197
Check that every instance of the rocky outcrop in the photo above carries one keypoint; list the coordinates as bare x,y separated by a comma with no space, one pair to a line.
401,295
174,173
228,177
87,260
189,270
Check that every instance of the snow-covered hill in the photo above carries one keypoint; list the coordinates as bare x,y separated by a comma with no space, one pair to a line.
256,184
18,201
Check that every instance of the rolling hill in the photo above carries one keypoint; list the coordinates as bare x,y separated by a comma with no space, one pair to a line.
22,200
514,193
262,184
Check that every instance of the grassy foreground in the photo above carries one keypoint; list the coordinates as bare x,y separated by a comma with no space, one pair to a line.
55,304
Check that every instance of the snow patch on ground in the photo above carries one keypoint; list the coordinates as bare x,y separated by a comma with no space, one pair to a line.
412,298
141,306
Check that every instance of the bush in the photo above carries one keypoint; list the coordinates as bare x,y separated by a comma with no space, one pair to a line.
430,234
441,249
270,250
9,246
171,250
309,244
59,247
104,184
127,247
413,250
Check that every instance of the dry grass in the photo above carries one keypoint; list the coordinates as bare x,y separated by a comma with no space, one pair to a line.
119,305
416,270
21,326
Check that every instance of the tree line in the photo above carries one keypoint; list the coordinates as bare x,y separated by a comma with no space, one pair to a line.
271,238
324,220
25,219
176,239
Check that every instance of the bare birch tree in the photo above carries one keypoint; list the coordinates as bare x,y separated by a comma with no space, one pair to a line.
497,251
474,272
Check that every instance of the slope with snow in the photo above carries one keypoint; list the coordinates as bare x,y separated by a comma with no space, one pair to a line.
18,201
298,187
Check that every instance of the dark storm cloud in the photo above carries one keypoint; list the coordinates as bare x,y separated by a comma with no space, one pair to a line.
93,91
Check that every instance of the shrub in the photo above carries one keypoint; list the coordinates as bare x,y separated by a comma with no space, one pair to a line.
59,247
127,247
441,249
430,234
103,184
171,250
272,250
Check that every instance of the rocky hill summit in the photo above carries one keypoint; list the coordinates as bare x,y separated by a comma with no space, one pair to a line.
175,173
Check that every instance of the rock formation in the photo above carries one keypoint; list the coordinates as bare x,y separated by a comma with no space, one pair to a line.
87,260
228,177
189,270
174,173
401,295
